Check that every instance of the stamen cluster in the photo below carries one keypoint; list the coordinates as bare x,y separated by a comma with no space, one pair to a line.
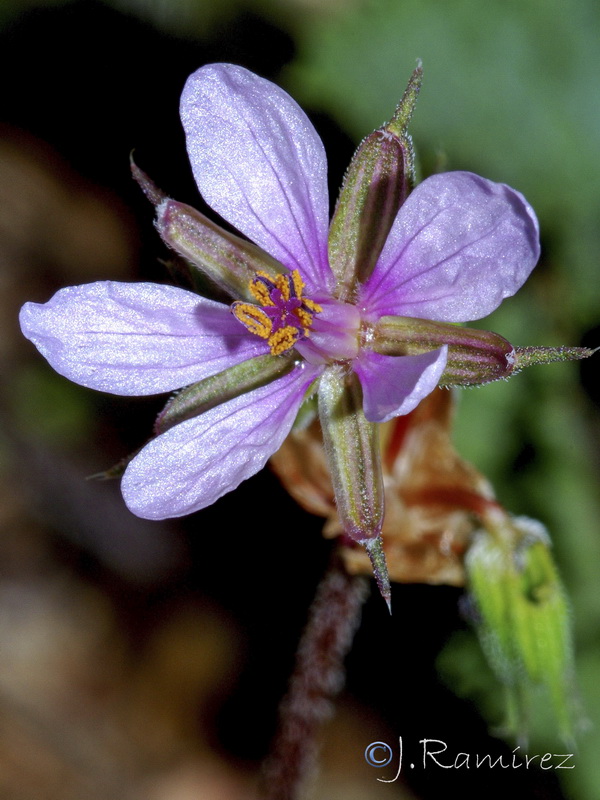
283,316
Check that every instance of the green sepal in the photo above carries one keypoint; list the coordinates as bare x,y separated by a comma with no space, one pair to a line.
308,411
200,397
116,471
372,192
377,182
228,260
474,356
183,274
405,108
352,449
232,382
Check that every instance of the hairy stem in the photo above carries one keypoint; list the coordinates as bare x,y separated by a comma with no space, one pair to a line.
317,678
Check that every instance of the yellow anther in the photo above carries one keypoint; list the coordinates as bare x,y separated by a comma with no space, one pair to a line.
283,339
311,305
260,293
262,274
283,284
305,318
298,284
261,290
253,318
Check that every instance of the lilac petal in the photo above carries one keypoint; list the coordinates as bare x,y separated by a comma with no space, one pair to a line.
260,164
196,462
334,333
394,385
136,338
459,245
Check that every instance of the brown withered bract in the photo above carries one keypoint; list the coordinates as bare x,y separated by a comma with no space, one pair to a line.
434,499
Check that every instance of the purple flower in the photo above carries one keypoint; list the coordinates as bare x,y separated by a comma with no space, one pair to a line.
458,246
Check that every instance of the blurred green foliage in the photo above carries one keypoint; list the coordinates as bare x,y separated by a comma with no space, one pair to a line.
510,91
51,409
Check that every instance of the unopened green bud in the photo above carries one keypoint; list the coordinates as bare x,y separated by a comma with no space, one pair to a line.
524,625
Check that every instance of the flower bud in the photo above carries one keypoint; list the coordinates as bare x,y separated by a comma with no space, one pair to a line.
524,625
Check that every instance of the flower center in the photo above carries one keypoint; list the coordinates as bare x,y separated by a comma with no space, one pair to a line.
283,316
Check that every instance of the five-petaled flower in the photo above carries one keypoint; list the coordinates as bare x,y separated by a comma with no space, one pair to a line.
371,339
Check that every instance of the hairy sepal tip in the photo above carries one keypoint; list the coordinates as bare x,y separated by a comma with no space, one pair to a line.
374,548
146,184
